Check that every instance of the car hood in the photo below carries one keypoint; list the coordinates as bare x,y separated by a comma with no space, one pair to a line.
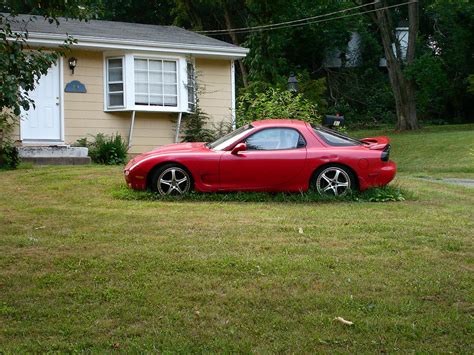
176,147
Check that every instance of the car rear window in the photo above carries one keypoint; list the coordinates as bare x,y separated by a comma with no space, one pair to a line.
335,138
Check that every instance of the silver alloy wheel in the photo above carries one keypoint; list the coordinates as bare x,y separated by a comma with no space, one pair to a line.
173,181
333,181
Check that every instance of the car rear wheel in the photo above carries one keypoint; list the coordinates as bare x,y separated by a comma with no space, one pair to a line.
334,181
171,180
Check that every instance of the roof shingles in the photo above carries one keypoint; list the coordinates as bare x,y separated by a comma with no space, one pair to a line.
116,30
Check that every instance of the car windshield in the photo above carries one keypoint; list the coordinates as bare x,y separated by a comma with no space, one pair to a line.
335,138
230,138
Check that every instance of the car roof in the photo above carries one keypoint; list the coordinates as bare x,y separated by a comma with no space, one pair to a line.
279,123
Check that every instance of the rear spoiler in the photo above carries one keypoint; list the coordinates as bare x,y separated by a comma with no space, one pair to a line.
376,143
379,143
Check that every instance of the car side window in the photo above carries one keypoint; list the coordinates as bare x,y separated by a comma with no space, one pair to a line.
275,139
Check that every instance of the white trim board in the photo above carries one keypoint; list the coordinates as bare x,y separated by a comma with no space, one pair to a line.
49,39
232,85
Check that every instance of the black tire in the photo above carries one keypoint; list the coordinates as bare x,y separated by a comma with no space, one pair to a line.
171,180
333,180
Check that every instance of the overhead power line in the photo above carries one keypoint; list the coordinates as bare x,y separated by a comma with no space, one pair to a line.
282,25
287,22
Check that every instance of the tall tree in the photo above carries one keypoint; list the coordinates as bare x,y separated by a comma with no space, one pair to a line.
403,86
214,15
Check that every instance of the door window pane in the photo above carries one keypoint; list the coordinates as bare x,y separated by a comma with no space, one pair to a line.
274,139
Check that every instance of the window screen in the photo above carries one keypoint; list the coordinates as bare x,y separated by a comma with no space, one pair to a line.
156,82
115,82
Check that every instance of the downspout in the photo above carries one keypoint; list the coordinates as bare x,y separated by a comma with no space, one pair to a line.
178,127
130,133
232,88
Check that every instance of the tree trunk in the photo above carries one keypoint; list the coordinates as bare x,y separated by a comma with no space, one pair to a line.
235,40
403,88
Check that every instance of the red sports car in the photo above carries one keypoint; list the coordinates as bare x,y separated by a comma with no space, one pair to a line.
270,155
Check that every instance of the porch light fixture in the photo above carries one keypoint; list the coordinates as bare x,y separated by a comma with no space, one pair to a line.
293,83
72,63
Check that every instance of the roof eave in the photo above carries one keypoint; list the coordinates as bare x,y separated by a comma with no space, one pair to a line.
89,42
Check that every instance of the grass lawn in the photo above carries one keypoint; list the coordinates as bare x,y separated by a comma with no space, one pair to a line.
81,270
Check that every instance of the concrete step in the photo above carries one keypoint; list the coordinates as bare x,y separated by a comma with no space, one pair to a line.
54,155
57,160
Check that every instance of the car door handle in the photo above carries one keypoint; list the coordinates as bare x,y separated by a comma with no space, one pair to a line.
327,157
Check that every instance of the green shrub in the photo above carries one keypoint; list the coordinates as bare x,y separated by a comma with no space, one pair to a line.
195,127
275,103
382,194
432,94
313,90
108,150
9,156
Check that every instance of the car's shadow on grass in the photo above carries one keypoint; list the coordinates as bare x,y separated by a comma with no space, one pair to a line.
379,194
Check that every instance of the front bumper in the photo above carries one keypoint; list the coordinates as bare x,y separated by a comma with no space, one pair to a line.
135,181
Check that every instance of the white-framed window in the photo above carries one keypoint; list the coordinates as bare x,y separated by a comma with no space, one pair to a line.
115,83
191,86
146,82
156,82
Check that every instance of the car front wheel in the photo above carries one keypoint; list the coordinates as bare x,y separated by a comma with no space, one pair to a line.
334,181
171,180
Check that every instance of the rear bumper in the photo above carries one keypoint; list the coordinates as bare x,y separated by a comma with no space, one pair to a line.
387,173
379,177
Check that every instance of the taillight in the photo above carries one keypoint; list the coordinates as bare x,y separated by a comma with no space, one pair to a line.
386,153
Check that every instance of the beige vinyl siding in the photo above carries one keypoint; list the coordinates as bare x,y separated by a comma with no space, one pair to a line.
15,135
214,81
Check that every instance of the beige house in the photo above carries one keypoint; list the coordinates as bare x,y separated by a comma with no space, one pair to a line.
133,79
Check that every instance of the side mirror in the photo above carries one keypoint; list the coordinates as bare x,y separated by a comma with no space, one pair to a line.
239,148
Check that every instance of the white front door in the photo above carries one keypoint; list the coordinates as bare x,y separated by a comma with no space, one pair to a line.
43,122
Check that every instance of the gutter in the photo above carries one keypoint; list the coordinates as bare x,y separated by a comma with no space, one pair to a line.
233,52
